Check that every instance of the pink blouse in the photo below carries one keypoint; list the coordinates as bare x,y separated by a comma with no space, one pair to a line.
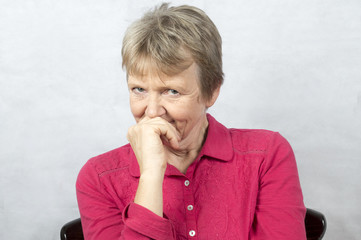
243,185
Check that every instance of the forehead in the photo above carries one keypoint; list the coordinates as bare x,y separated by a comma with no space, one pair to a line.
189,76
147,63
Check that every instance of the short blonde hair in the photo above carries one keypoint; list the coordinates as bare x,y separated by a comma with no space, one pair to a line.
170,39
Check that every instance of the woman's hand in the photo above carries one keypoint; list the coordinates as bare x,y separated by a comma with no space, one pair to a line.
151,140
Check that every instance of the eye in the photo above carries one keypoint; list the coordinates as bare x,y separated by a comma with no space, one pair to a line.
172,92
138,90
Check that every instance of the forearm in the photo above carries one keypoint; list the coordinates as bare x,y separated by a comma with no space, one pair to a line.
103,218
150,191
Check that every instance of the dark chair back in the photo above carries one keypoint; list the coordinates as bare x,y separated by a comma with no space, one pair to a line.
315,223
72,231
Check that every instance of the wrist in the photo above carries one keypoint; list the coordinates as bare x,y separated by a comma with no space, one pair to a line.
152,174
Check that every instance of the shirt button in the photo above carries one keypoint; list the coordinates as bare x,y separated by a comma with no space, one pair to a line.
192,233
190,207
186,183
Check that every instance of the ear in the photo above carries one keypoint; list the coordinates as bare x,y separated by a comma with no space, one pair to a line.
214,97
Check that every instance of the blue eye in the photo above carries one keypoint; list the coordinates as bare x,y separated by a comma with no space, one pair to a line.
138,90
173,92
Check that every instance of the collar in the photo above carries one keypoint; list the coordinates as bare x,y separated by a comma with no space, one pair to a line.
218,145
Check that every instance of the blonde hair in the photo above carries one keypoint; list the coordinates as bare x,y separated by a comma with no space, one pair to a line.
170,39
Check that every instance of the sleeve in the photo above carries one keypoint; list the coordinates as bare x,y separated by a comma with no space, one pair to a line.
280,211
102,218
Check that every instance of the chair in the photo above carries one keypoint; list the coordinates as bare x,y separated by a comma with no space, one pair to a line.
315,223
72,231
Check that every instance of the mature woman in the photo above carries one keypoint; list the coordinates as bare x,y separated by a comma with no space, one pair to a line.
184,175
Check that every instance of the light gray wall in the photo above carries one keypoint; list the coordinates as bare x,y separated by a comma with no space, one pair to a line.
291,66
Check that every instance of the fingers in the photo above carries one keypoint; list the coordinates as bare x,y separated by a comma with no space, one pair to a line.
152,141
165,130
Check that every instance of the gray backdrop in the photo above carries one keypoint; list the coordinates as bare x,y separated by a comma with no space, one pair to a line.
291,66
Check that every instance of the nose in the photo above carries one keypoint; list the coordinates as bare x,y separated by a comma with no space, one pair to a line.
155,107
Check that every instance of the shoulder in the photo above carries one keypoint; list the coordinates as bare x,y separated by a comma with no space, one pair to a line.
268,150
108,162
241,140
251,140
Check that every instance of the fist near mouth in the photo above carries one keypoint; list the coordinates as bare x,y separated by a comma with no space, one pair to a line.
152,140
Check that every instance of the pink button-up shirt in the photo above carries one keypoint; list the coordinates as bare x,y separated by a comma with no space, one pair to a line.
243,185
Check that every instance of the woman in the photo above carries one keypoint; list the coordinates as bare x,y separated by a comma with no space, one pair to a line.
184,175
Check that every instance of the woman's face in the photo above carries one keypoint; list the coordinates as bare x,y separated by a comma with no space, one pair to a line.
177,99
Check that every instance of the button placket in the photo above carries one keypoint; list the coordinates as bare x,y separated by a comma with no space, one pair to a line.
189,208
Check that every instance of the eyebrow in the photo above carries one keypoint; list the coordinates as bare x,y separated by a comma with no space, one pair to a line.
169,84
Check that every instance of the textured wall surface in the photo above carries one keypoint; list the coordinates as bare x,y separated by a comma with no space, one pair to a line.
290,66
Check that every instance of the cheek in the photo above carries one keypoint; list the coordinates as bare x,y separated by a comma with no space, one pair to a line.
136,109
187,112
179,112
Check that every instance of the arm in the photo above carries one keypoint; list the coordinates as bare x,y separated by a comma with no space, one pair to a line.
280,210
102,218
150,140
